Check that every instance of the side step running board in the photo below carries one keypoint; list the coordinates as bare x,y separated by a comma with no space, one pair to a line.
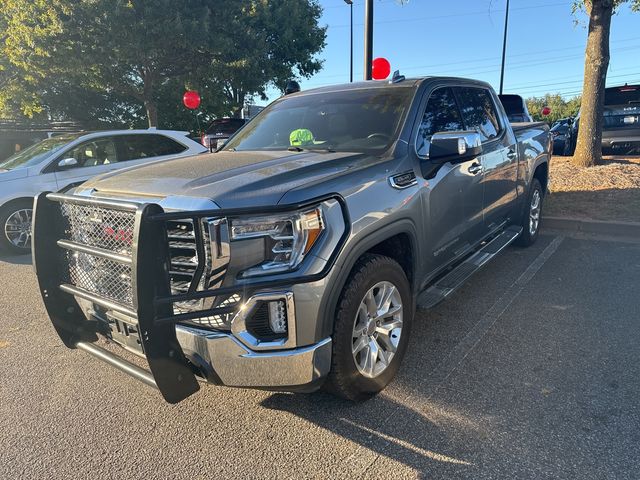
450,282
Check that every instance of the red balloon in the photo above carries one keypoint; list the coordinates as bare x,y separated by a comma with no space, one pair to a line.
381,68
191,99
546,111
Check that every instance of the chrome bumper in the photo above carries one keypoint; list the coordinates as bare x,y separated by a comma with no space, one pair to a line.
224,360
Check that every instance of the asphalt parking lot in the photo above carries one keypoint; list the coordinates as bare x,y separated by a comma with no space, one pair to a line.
529,371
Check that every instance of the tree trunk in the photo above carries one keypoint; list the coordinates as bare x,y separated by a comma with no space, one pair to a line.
152,113
589,143
238,100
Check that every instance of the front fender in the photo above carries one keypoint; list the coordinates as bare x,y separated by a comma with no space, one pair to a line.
348,259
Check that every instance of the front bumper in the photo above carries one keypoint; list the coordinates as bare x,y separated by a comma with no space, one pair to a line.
221,359
82,311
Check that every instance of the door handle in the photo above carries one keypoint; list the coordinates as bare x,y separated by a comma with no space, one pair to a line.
512,155
474,168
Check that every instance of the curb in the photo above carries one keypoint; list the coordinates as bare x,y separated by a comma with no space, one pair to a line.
617,229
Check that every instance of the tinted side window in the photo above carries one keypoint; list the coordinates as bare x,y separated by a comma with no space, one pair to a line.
135,147
479,111
440,115
93,153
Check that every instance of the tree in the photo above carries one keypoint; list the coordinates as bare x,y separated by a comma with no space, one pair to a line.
560,108
108,59
589,143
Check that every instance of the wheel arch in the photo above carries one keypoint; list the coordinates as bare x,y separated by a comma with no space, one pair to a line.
16,200
541,173
398,241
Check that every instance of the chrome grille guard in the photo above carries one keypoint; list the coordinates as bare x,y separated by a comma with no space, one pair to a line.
144,252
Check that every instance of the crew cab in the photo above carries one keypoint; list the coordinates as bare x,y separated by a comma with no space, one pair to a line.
295,257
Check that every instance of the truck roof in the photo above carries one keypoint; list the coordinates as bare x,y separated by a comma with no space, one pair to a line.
369,84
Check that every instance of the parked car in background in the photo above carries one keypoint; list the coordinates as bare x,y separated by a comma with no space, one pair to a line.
621,127
220,130
561,135
297,257
516,108
60,162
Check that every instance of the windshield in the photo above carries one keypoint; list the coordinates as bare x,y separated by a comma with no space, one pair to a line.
560,127
365,121
36,153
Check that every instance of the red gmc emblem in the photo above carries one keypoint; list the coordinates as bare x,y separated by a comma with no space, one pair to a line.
120,235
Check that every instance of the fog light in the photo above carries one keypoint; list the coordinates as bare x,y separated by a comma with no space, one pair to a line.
278,316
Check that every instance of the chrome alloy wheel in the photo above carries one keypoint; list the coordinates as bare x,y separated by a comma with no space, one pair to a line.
17,228
534,212
377,329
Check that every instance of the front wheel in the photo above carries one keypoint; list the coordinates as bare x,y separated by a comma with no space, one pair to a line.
372,326
15,221
532,215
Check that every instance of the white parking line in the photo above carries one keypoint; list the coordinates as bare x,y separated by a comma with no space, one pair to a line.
451,362
434,380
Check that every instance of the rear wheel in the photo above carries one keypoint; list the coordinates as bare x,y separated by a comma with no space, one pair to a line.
532,215
15,224
371,333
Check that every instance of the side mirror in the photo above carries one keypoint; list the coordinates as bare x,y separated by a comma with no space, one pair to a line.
454,146
67,163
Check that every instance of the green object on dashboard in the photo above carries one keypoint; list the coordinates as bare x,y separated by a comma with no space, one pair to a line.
300,136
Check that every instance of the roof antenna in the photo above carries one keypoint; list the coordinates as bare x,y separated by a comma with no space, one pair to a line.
397,78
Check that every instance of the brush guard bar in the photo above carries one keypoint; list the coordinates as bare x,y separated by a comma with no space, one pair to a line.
152,301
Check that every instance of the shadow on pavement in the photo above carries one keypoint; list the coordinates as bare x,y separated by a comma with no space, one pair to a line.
15,259
383,426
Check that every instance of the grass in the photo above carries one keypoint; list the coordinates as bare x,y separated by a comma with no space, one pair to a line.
610,191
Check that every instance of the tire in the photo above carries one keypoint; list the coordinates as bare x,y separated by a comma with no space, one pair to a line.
531,216
15,227
351,376
568,149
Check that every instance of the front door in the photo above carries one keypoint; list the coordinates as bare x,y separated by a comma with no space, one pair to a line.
452,198
92,157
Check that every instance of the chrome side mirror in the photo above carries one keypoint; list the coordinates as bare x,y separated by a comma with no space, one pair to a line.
67,163
454,146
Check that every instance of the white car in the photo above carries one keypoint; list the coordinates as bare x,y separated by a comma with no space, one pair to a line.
62,162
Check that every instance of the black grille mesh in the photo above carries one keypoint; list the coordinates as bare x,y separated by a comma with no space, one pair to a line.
101,276
103,228
99,227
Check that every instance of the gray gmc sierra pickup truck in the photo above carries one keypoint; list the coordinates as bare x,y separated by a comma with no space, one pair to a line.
296,256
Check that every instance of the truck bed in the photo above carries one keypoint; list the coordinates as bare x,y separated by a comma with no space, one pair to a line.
518,126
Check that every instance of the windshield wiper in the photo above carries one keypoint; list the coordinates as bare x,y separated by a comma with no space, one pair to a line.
294,148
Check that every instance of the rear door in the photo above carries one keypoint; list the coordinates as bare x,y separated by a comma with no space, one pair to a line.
136,149
452,199
499,158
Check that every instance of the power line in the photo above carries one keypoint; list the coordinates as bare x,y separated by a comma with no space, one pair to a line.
480,60
456,15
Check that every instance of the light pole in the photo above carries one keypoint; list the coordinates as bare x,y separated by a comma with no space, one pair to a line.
504,46
368,39
350,3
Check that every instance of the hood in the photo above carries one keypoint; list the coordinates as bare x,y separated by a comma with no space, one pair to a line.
231,179
6,175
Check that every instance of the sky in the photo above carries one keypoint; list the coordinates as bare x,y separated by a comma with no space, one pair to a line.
545,46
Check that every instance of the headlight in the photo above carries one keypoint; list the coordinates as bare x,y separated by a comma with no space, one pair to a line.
287,238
